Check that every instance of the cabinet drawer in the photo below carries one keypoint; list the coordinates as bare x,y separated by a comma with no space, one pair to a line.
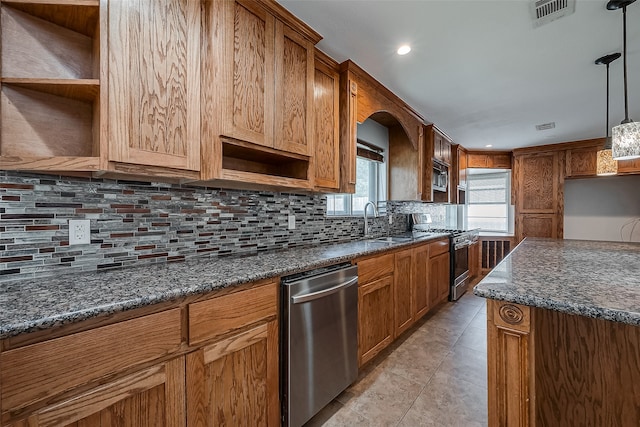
439,247
218,316
374,268
45,369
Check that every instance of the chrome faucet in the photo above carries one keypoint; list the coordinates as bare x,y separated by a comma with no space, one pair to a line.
366,220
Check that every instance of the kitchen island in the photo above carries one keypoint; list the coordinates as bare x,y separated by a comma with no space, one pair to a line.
563,331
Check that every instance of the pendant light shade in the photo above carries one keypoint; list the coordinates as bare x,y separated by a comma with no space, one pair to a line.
625,138
605,164
625,141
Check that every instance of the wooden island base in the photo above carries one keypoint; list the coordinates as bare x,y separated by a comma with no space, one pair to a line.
549,368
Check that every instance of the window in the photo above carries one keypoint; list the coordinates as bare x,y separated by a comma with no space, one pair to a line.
370,186
488,201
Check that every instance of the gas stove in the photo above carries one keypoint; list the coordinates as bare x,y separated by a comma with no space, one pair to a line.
458,237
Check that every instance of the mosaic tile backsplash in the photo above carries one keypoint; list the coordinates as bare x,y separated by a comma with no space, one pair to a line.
139,222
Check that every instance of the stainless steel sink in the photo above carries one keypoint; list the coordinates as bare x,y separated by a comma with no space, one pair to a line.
389,240
394,239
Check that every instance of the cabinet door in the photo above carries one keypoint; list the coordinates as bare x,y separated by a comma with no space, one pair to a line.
538,182
474,260
421,281
446,151
538,225
235,381
249,73
326,130
294,91
582,162
375,317
499,161
403,291
154,83
438,278
151,397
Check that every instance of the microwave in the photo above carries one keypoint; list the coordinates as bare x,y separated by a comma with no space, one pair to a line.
440,177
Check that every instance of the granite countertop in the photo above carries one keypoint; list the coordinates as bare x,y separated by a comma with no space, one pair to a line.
31,305
587,278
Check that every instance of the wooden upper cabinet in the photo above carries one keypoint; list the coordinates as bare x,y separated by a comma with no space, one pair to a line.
629,166
441,147
154,83
538,182
268,78
326,130
249,72
294,91
582,162
491,160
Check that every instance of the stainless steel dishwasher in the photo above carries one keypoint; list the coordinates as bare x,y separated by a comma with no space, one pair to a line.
319,329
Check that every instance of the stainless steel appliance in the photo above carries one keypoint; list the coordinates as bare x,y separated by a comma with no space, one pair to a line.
318,339
439,178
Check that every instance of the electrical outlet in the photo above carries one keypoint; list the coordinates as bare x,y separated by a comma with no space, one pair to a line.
79,231
292,222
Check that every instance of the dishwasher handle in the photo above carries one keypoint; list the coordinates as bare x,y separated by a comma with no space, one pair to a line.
323,293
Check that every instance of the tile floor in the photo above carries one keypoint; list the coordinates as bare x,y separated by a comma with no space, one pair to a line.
433,375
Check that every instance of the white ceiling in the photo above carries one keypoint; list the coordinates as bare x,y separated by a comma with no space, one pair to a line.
480,71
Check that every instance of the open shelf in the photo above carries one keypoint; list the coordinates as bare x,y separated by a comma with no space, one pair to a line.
80,16
50,85
37,124
243,157
36,48
80,89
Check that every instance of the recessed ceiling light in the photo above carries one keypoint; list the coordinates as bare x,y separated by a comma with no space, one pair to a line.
488,145
404,49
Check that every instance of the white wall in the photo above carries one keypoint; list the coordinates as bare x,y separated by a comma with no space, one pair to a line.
597,208
374,133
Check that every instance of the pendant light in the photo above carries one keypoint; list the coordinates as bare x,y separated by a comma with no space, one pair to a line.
625,141
606,165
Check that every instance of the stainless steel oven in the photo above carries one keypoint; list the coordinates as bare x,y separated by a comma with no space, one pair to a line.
459,267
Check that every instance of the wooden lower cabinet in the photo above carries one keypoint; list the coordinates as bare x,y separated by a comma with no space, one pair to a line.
421,281
474,260
403,288
509,378
539,225
438,278
549,368
375,317
151,397
235,381
209,360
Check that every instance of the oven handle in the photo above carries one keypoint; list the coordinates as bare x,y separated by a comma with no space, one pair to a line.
323,293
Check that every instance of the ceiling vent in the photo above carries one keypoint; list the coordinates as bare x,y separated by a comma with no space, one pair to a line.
545,11
546,126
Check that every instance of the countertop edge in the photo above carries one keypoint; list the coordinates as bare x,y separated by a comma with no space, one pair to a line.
9,330
563,307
